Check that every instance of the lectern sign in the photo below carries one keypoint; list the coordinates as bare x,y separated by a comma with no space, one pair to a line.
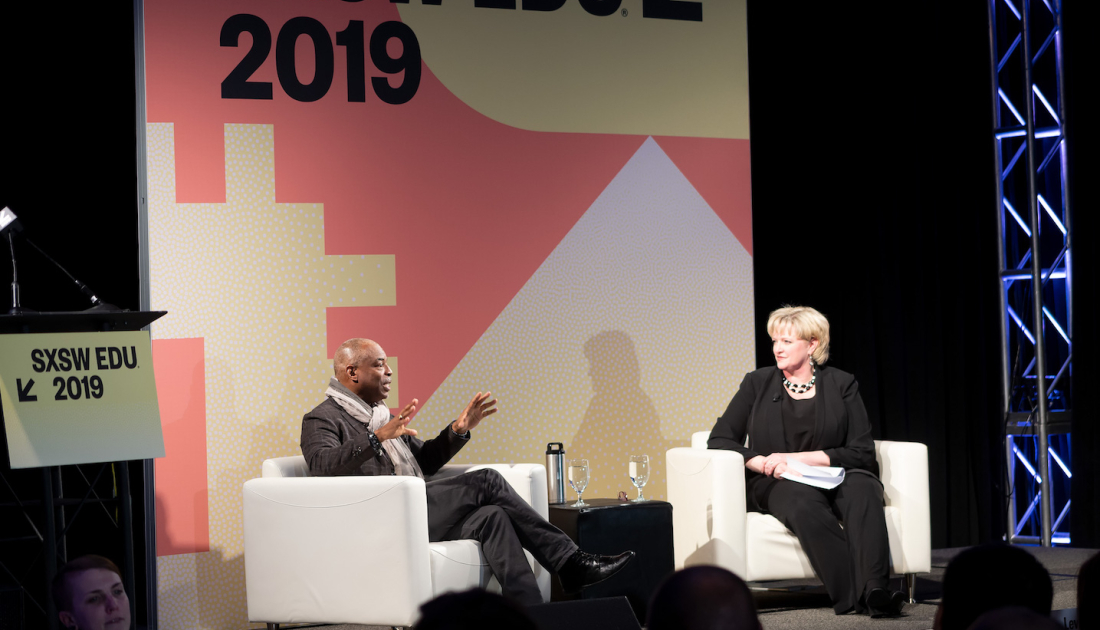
74,398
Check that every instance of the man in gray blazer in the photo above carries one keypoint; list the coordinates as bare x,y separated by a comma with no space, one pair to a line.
353,433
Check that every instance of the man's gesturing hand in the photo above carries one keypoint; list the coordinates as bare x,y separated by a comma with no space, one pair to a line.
398,426
482,406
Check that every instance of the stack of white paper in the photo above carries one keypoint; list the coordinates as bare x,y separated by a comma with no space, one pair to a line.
827,477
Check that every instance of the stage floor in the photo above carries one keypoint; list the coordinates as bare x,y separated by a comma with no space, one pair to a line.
808,607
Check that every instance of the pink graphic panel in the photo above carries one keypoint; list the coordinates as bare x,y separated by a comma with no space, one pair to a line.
719,170
183,518
468,206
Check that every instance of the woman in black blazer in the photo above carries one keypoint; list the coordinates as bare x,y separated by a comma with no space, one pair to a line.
803,410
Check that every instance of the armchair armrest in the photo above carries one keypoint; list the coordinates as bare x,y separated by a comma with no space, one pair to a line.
293,466
707,490
528,480
336,549
904,475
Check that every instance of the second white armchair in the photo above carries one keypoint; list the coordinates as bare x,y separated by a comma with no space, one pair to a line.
711,525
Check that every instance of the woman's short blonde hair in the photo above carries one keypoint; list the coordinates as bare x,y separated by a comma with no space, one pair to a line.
806,323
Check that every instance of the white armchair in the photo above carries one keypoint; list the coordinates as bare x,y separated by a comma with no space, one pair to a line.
711,525
355,549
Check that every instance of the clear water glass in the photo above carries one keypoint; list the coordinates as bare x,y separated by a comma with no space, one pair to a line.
578,479
639,473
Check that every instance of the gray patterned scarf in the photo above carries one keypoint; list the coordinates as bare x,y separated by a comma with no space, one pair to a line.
374,416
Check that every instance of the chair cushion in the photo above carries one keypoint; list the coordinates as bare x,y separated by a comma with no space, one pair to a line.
458,565
776,554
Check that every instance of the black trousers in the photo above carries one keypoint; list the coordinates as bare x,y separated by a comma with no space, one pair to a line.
482,506
850,560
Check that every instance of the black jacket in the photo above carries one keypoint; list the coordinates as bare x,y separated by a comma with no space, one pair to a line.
334,444
841,430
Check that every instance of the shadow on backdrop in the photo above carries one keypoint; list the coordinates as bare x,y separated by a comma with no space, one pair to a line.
620,421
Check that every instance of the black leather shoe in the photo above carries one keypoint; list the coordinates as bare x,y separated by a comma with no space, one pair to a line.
883,603
585,569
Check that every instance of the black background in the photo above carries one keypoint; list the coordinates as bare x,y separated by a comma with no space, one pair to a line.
873,201
69,141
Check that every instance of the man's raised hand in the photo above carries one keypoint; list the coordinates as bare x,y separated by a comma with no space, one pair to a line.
481,407
399,425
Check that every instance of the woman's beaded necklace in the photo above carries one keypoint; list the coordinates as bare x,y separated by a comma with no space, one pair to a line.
801,388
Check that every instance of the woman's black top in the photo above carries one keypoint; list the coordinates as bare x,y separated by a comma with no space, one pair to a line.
798,423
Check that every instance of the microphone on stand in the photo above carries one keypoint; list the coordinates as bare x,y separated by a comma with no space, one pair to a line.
8,219
97,304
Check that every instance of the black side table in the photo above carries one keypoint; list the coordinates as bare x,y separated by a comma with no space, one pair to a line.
609,526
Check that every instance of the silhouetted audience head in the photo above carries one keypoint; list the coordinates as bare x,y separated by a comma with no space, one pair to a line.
89,595
1014,618
475,609
702,598
988,577
1088,594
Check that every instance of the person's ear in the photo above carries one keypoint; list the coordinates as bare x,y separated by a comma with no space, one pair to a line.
67,619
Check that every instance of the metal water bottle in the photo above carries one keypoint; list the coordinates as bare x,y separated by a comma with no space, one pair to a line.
555,472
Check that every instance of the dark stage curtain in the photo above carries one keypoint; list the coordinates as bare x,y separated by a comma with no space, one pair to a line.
1079,42
68,133
69,141
874,202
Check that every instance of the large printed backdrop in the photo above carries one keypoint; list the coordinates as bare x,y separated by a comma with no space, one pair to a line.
552,205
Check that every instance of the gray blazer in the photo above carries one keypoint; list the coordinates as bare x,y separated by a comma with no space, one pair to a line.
335,444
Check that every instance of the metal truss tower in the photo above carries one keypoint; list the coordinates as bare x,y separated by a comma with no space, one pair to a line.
1033,212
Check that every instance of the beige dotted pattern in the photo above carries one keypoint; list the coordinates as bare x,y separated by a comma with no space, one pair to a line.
613,75
251,277
634,333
